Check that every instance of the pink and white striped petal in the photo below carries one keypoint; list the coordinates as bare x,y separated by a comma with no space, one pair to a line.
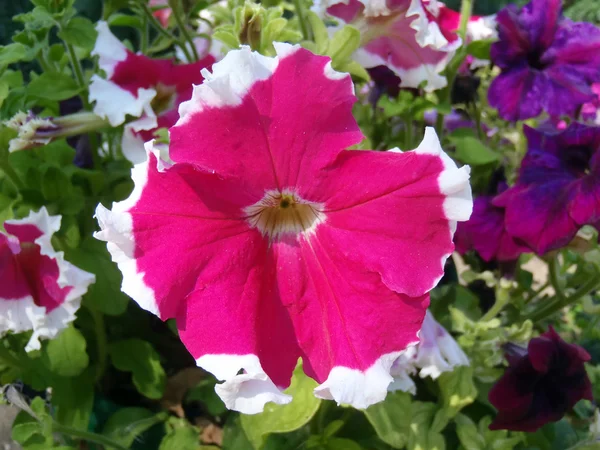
268,241
404,35
39,290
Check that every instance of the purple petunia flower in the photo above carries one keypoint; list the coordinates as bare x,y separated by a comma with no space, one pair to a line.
486,232
558,190
548,62
541,383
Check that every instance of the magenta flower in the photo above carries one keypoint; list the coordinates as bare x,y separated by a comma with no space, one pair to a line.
403,35
267,241
541,384
548,62
39,290
485,232
557,191
139,86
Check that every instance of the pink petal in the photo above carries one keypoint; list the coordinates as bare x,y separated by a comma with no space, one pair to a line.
420,195
286,118
335,304
404,35
44,290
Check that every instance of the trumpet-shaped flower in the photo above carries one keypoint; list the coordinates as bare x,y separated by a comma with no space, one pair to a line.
486,232
437,352
404,35
139,86
557,191
541,384
268,241
39,290
548,62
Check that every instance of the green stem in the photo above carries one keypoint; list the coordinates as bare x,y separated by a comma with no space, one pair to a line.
154,21
10,173
301,20
553,273
561,302
466,9
144,35
100,332
538,292
502,299
178,12
76,65
87,436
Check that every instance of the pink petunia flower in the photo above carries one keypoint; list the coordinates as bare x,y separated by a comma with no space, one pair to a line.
39,290
267,241
404,35
437,352
139,86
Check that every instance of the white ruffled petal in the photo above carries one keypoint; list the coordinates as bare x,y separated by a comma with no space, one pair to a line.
114,103
246,392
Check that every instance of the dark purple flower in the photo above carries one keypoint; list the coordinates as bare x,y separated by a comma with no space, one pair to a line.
548,62
486,233
385,82
558,190
541,383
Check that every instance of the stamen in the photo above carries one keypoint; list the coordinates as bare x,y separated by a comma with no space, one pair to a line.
279,213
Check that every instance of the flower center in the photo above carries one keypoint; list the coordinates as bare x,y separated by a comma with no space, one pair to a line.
576,159
164,99
280,213
534,59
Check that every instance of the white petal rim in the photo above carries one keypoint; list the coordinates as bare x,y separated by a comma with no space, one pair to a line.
27,315
246,392
357,388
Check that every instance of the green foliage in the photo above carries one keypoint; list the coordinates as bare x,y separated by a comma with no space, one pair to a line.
139,358
128,424
283,418
66,354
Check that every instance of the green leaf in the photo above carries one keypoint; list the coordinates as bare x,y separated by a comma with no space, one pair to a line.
79,32
226,37
354,68
4,88
125,425
468,434
139,358
55,184
471,150
422,435
74,398
234,437
12,53
126,20
480,49
319,32
22,432
457,389
391,418
343,44
105,294
284,418
53,86
342,444
66,354
181,437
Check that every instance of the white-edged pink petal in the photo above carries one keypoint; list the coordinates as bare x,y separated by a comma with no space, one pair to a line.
23,313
